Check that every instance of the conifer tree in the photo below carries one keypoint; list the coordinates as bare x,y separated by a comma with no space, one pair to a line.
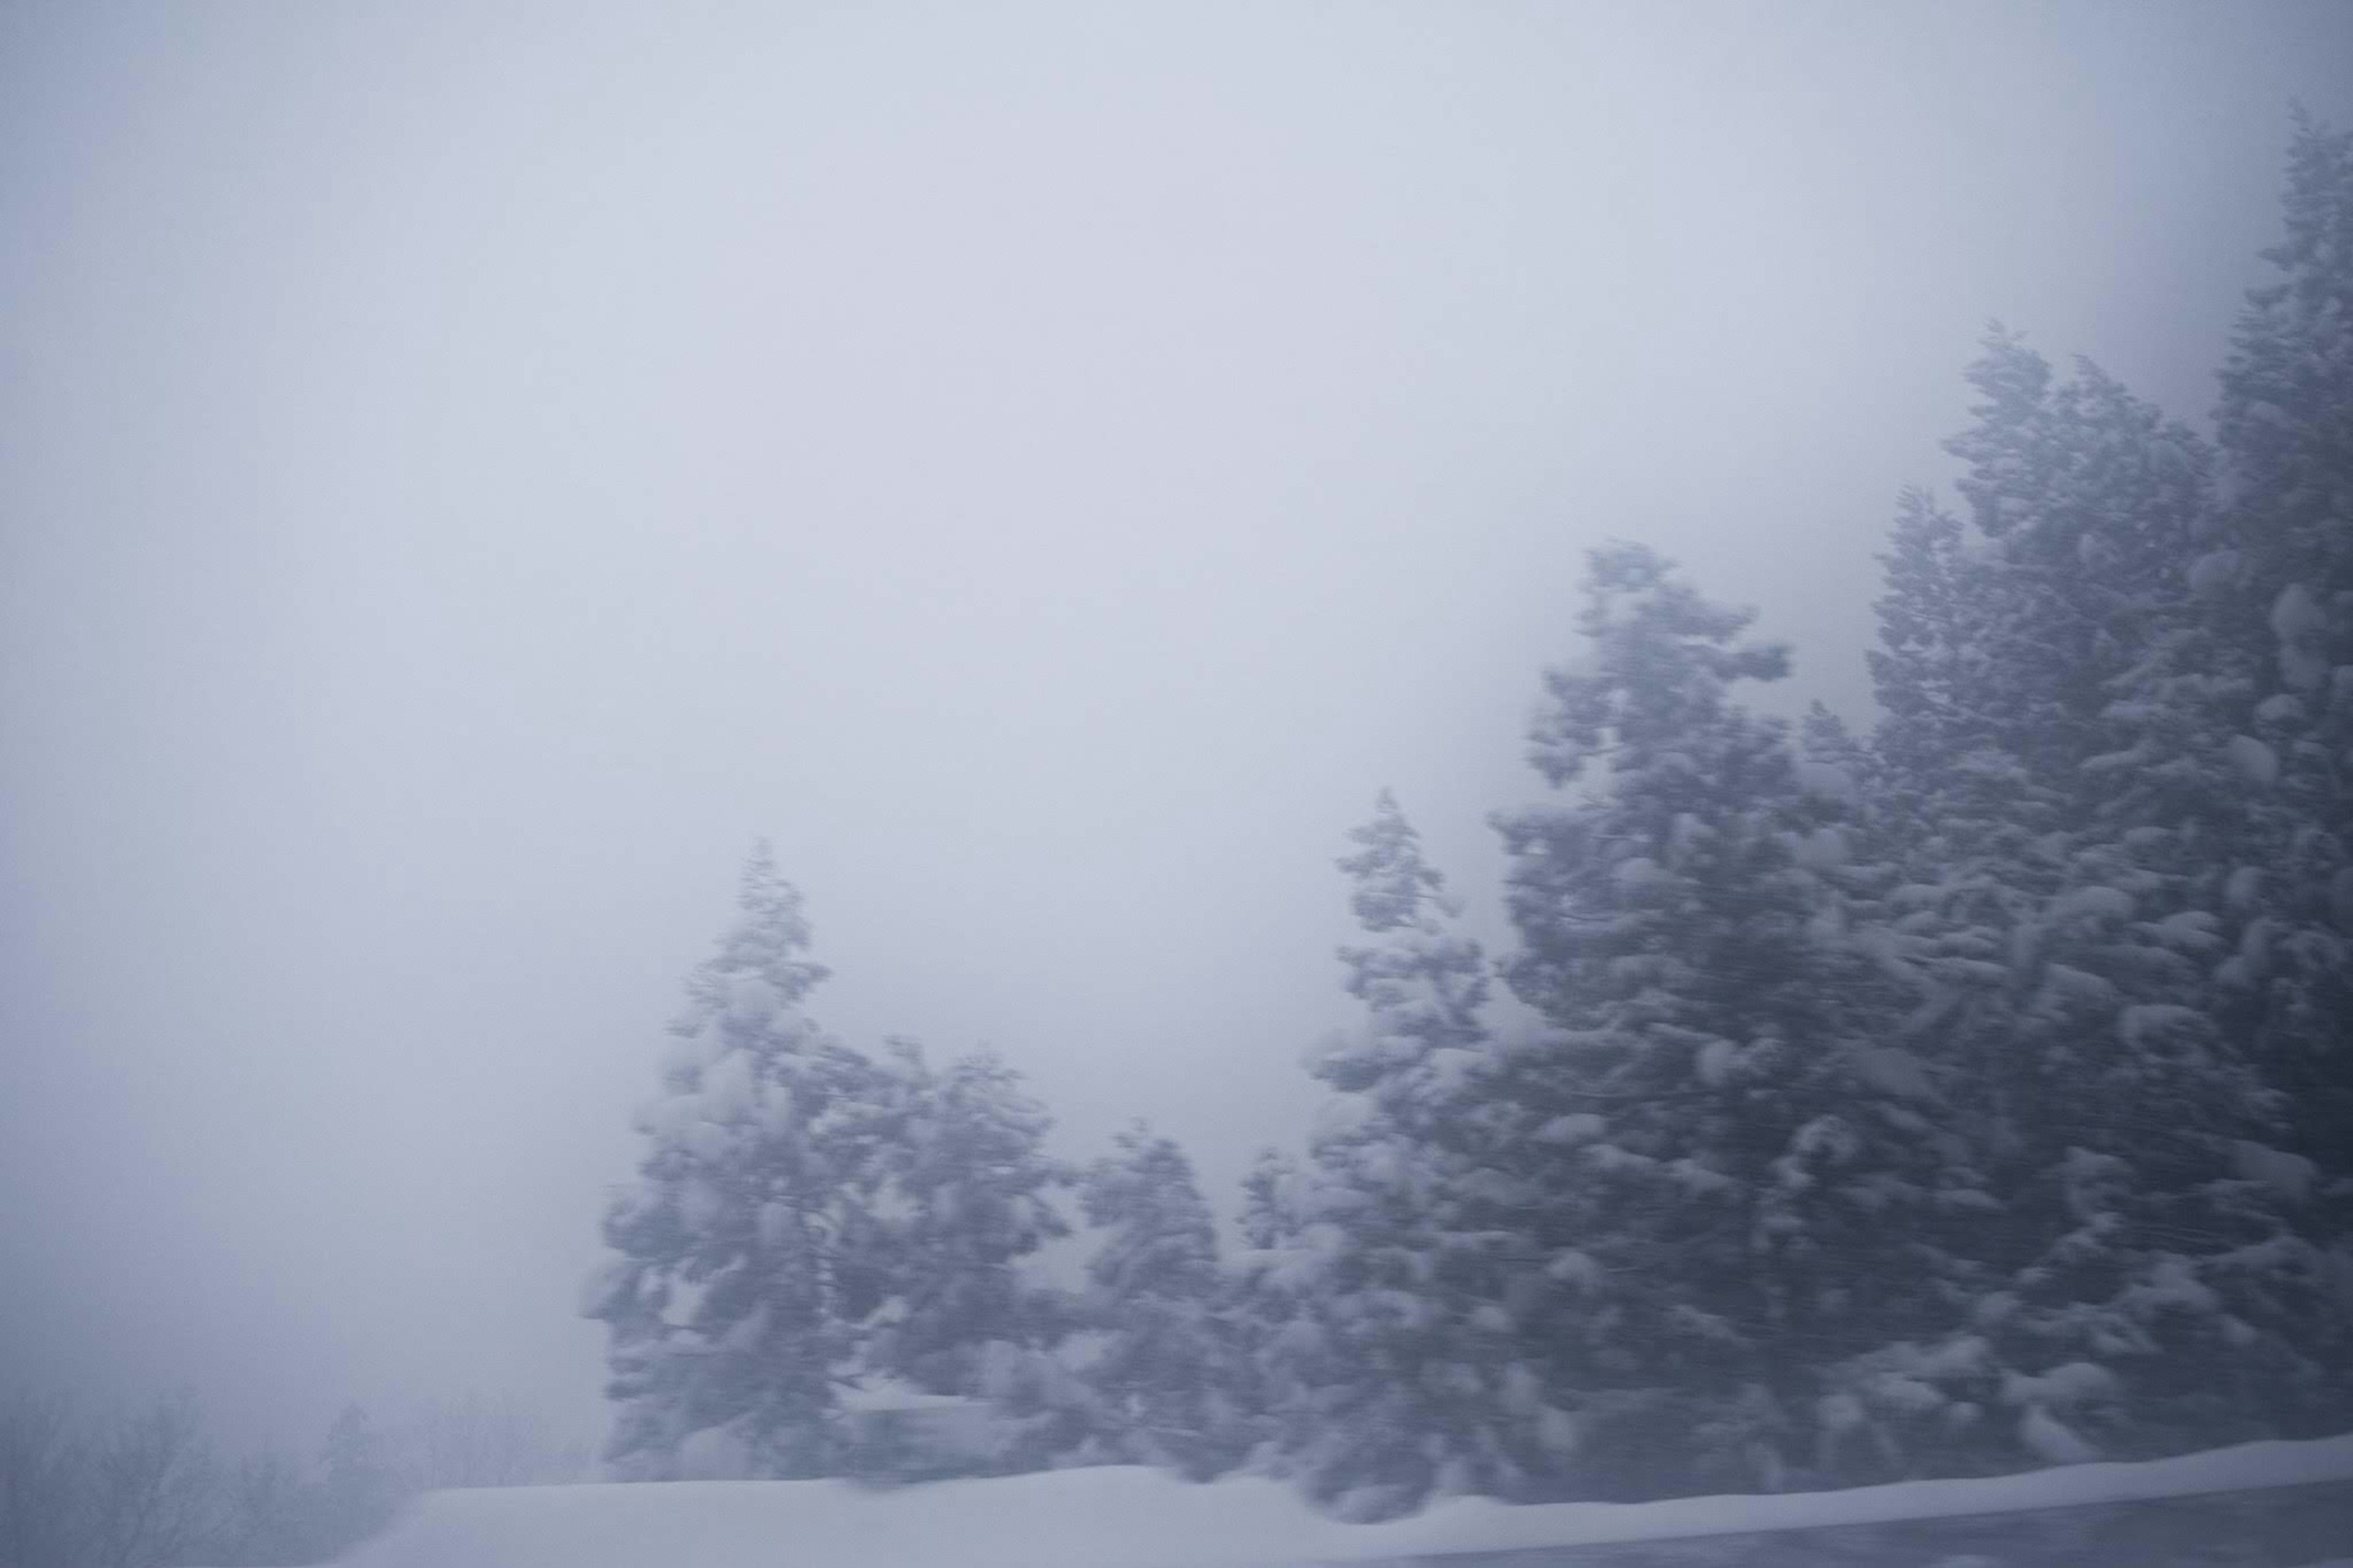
749,1248
808,1222
1716,1145
960,1193
2052,693
357,1490
960,1151
1386,1370
1170,1375
2280,624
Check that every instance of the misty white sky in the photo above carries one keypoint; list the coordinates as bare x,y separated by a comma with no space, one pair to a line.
467,471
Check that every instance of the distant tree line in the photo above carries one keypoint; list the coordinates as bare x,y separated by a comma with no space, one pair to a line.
1971,1094
147,1487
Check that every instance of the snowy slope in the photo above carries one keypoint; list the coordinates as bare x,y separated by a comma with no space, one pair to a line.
1130,1518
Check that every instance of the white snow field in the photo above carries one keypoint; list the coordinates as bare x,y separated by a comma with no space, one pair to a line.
1125,1517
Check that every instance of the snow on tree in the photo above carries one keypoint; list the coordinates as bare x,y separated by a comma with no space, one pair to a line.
1168,1371
809,1224
358,1489
2280,624
2057,742
965,1192
749,1248
1385,1346
1725,1175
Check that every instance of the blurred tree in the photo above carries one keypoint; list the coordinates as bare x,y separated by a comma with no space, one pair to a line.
1170,1372
747,1248
1713,1142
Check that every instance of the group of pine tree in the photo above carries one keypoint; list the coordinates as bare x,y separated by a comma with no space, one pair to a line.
1971,1094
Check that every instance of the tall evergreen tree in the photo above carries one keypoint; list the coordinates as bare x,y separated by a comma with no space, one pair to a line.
962,1194
2279,623
969,1189
2043,685
357,1489
1170,1374
1716,1147
749,1247
1385,1370
808,1221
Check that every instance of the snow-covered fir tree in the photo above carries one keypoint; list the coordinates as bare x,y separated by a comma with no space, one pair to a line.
1168,1370
2140,1283
358,1491
750,1249
1388,1350
1727,1174
964,1194
2280,620
1267,1285
810,1225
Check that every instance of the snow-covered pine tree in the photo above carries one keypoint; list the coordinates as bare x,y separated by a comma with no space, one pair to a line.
1170,1372
967,1194
2003,645
2084,501
2280,615
358,1491
1389,1361
749,1248
2232,801
2041,682
1267,1284
1728,1177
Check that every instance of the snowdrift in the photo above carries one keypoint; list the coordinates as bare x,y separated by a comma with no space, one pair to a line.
1123,1517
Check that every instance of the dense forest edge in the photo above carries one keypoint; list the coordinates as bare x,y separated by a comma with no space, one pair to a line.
1964,1096
1968,1095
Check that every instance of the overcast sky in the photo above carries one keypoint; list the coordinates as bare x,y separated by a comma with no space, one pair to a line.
467,471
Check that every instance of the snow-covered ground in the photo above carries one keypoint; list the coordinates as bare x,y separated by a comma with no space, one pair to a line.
1130,1518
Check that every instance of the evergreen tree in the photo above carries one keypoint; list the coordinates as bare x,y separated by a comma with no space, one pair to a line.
1390,1348
357,1490
1714,1147
749,1248
2280,657
969,1186
808,1221
2043,682
1267,1285
954,1191
1169,1376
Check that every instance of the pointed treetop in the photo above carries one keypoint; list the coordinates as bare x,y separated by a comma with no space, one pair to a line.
765,944
1147,1188
1659,658
1394,884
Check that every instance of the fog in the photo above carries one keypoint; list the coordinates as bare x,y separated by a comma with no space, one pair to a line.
467,472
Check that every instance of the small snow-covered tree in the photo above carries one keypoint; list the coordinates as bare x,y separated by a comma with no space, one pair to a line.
749,1248
808,1221
357,1489
1169,1372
